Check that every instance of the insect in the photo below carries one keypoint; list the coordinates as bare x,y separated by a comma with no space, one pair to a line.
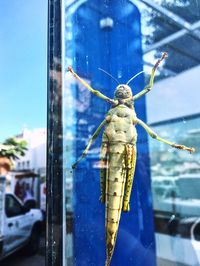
118,152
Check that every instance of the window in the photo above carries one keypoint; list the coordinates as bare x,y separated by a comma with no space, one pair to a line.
164,216
13,207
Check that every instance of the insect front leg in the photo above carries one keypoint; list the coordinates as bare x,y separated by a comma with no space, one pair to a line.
155,136
95,92
150,85
92,139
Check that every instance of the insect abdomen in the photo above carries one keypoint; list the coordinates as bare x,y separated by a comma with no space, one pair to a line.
115,184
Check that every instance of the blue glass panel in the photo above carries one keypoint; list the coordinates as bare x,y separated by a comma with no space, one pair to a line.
104,35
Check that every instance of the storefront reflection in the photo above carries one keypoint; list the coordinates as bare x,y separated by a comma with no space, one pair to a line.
175,188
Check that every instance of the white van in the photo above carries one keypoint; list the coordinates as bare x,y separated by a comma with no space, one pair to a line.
19,226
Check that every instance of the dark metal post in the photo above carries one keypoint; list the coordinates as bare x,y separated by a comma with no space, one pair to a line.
55,229
2,207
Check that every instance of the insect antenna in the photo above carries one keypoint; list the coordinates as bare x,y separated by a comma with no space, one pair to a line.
134,77
108,74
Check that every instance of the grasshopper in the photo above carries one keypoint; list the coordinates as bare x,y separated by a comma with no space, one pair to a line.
118,152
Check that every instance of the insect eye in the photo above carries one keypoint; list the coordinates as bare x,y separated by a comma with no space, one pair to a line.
121,87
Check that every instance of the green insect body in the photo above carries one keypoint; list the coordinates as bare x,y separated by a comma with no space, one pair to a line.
117,166
118,153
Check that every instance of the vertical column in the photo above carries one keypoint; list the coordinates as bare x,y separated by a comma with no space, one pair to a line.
55,229
2,204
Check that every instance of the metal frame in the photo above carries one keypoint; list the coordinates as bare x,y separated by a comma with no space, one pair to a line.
55,228
172,16
171,38
185,28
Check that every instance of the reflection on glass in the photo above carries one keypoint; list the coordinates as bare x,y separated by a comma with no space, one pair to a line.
175,187
97,36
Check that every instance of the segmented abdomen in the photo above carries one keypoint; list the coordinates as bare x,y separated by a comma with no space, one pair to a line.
114,192
117,162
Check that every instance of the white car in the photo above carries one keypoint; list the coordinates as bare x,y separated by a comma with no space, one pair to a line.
177,195
20,227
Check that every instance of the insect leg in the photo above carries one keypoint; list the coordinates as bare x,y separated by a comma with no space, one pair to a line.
95,92
103,170
92,139
155,136
131,162
150,85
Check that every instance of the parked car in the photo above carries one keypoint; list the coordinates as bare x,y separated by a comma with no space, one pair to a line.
179,196
20,226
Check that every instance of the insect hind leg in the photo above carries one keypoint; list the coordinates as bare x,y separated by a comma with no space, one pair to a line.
103,170
130,162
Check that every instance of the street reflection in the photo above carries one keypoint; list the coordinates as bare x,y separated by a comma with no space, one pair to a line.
175,188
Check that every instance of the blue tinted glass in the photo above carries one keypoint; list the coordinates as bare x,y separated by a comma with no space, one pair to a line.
106,43
103,35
